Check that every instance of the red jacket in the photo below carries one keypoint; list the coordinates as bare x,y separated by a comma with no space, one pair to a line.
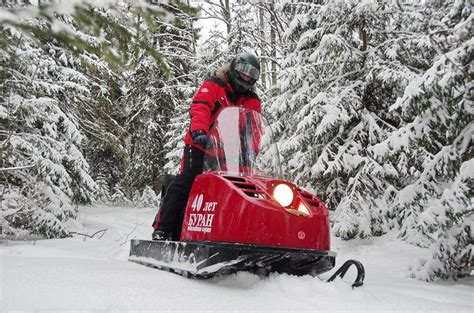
213,95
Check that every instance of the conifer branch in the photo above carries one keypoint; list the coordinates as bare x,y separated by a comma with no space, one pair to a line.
16,168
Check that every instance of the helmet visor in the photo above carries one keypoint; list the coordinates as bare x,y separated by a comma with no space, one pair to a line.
248,70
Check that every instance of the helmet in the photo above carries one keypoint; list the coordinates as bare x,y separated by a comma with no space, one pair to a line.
244,71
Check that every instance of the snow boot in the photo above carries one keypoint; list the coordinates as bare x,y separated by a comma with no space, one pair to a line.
161,235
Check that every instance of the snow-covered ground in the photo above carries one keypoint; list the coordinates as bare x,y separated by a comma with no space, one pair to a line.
92,274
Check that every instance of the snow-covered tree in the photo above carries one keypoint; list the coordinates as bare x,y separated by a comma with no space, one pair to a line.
149,197
244,32
119,196
208,57
347,68
154,99
43,169
435,206
60,75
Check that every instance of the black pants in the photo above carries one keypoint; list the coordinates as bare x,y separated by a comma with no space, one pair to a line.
176,197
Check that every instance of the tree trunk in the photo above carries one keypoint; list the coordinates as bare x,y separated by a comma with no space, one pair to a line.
226,15
193,32
263,56
364,38
273,49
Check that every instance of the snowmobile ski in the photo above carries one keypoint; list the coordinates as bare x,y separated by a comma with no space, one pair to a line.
209,259
359,281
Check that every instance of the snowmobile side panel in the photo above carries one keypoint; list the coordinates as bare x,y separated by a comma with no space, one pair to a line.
208,259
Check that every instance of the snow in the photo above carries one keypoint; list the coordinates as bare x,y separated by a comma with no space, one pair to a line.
92,274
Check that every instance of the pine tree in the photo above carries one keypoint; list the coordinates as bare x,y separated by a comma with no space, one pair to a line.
435,206
336,91
243,35
208,57
60,81
155,96
43,169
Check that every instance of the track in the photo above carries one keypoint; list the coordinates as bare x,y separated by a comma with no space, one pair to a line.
209,259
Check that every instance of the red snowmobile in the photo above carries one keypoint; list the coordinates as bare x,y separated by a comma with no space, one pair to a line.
242,216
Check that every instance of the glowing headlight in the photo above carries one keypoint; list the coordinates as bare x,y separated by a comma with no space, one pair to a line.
283,194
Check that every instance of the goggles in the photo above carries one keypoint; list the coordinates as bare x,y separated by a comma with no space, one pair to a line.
248,69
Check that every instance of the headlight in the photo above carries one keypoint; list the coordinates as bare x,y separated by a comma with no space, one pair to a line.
283,194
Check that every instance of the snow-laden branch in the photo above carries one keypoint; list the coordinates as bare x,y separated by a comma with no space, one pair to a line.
16,168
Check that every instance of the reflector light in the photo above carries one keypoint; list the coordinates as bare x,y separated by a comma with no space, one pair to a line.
283,194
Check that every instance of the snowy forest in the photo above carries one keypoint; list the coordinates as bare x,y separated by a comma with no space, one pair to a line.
371,102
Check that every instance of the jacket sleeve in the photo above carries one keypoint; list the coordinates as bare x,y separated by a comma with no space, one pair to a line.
202,106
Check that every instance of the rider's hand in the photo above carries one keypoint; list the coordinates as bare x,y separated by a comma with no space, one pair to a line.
200,137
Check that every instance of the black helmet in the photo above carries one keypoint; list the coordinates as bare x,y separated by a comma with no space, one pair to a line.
244,71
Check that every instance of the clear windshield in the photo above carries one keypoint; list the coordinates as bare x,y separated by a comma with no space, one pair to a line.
241,142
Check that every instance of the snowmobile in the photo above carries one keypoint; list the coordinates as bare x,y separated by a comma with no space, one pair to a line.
242,215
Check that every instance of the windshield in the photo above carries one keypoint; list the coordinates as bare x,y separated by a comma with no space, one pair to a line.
241,142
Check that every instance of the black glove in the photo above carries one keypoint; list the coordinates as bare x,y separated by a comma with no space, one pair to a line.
200,138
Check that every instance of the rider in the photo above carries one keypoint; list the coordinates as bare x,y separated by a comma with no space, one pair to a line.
232,85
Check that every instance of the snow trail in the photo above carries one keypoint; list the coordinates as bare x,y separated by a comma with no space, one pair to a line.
92,274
